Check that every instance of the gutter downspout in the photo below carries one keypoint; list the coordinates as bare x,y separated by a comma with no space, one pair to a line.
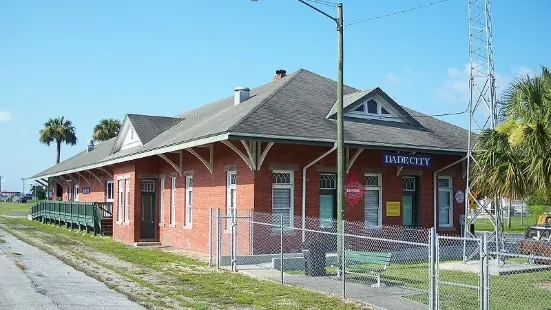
435,211
304,188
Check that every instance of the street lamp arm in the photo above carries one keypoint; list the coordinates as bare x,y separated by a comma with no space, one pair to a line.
336,20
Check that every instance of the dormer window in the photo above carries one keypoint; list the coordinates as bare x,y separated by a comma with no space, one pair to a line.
372,109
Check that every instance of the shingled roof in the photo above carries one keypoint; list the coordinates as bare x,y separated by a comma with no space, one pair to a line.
294,109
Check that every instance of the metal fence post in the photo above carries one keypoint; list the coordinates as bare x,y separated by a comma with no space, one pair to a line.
218,238
210,237
480,243
234,241
432,286
251,249
486,299
343,265
281,246
436,271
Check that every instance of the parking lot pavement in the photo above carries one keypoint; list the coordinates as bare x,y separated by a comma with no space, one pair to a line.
33,279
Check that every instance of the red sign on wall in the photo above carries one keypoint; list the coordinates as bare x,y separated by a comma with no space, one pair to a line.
353,190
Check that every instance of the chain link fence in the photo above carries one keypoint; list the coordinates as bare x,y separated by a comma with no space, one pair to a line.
391,267
521,278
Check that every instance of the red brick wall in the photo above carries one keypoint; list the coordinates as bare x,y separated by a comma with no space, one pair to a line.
127,233
209,191
254,189
369,161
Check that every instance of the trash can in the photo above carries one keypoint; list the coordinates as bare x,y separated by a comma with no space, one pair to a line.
314,258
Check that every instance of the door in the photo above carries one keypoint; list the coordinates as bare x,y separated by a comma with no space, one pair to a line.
147,230
328,209
410,208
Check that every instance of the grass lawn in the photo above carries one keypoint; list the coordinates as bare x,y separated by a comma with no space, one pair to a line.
482,224
198,286
507,292
525,291
6,207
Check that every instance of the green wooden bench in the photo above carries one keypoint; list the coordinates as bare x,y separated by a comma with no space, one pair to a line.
367,263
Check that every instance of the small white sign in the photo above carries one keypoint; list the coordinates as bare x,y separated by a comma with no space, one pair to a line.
460,196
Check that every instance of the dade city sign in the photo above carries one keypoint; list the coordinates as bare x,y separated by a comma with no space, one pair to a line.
396,159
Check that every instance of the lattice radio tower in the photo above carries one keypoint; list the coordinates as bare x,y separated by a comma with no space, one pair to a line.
482,113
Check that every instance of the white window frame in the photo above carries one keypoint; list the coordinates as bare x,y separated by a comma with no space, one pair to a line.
172,222
449,191
380,189
120,200
229,187
290,186
127,201
188,218
75,195
162,199
69,193
379,115
107,199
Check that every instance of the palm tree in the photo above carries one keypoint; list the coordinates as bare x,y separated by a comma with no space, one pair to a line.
106,129
59,130
514,159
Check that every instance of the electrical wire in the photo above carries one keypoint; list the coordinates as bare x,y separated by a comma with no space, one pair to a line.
323,2
396,12
431,115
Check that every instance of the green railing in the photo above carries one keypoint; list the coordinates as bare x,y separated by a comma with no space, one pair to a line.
87,215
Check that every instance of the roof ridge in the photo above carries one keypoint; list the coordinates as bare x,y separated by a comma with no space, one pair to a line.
157,116
265,100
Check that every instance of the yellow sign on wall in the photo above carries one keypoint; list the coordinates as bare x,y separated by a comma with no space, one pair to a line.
392,208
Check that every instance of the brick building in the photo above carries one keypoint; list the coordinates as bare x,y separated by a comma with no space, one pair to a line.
271,149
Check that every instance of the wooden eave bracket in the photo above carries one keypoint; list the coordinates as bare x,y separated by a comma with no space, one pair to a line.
350,161
248,159
263,153
254,155
176,167
95,176
209,163
85,179
106,172
41,183
72,178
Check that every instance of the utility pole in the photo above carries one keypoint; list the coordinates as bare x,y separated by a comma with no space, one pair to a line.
340,123
340,132
23,179
1,183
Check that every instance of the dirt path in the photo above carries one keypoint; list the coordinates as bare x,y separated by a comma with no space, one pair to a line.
33,279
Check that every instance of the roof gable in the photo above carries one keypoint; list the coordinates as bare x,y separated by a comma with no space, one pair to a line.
138,130
127,137
372,104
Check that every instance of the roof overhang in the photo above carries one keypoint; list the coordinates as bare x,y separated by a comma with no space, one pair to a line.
165,149
259,137
348,143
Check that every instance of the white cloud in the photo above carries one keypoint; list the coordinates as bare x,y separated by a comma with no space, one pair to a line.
5,116
456,86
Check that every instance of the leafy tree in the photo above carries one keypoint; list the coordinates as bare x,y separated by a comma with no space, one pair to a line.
59,130
514,159
39,192
106,129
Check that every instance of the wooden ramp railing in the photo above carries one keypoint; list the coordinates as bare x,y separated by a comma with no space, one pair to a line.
95,216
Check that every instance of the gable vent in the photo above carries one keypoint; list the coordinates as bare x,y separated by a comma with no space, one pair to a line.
240,94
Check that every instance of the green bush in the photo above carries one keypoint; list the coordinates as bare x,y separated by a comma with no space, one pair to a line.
537,210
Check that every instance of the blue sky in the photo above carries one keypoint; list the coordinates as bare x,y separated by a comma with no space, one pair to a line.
88,60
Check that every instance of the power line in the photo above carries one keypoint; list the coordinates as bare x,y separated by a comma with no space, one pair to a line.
323,2
396,12
429,115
